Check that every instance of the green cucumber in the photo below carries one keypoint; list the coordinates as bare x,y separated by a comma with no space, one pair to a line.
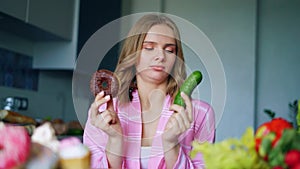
188,87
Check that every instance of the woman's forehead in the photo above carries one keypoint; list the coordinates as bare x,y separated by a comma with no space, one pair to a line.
161,30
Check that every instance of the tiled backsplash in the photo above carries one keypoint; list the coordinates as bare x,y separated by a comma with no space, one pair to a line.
16,71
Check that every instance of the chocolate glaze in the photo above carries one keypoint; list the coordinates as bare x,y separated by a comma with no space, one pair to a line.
104,80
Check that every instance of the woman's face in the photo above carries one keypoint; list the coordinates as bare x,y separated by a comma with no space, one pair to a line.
158,54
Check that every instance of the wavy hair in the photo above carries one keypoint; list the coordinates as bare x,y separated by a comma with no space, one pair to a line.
130,53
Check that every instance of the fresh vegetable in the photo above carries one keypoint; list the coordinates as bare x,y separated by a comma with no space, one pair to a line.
292,158
278,167
268,134
188,86
295,114
296,166
298,117
274,150
232,153
289,141
274,145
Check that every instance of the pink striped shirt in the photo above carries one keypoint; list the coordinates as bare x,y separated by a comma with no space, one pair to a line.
202,129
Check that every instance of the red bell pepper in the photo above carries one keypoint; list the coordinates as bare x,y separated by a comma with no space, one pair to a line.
272,129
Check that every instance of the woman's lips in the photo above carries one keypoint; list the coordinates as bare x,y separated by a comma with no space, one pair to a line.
158,68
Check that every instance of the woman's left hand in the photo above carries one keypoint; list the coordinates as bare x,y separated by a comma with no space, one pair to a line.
179,122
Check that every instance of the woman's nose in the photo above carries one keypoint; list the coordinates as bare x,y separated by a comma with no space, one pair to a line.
160,55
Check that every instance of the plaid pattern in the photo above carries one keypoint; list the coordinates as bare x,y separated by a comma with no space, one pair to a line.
202,129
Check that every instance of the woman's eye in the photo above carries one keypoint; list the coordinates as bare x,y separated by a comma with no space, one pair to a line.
148,48
170,51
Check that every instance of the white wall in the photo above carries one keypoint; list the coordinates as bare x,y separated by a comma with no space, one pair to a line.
278,80
231,28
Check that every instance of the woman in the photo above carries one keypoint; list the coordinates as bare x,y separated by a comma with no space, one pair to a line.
143,128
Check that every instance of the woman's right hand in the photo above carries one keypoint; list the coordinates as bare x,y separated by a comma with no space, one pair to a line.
107,120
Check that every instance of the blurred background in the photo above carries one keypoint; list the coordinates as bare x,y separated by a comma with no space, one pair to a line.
258,42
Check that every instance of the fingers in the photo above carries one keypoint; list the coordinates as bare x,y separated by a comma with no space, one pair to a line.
99,95
176,125
180,111
188,108
99,100
110,104
107,117
188,104
104,119
180,119
110,110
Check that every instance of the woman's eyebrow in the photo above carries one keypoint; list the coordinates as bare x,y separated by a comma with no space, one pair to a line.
168,44
149,42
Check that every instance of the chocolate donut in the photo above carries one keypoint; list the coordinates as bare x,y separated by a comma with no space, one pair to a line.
104,80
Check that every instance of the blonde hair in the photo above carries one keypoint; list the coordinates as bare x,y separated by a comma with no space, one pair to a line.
130,52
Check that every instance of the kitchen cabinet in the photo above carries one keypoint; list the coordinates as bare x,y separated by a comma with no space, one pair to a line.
54,16
38,19
93,16
14,8
137,6
58,55
59,29
89,16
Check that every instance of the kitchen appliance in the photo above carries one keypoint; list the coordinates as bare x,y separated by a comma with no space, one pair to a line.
15,103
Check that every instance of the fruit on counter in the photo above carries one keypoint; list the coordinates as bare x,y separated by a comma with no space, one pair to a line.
14,146
188,86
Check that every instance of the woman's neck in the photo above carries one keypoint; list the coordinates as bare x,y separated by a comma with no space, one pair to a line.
151,94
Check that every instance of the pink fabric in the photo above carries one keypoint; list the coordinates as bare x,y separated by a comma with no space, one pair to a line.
69,142
202,129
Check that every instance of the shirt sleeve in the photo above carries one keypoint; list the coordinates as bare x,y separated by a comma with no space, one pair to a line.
203,131
95,139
